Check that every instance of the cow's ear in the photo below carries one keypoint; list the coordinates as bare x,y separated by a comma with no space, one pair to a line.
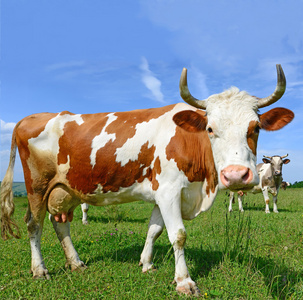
286,161
276,118
266,161
190,120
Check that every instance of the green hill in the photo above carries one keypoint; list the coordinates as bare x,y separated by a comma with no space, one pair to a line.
19,189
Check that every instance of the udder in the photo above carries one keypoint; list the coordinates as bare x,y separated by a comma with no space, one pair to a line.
61,204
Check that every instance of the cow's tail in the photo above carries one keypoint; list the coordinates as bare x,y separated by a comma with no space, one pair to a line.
8,225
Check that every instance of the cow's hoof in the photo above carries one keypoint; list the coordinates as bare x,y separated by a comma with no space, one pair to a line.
78,266
41,274
147,267
275,211
188,287
267,212
84,222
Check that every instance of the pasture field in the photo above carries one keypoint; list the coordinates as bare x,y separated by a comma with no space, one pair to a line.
250,255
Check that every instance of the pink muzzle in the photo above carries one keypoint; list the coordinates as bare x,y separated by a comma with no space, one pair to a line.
236,177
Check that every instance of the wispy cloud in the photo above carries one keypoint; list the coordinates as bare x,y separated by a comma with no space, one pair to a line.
200,82
65,65
152,83
6,130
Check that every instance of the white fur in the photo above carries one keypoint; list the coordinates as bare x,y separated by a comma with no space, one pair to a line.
48,139
229,115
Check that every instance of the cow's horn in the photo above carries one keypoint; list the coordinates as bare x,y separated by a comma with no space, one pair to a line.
284,156
269,157
279,91
186,95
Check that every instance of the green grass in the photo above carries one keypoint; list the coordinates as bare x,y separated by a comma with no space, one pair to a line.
250,255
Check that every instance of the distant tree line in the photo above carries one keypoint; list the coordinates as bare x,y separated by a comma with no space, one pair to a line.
18,194
296,184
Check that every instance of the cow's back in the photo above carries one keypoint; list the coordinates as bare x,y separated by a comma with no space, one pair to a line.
109,151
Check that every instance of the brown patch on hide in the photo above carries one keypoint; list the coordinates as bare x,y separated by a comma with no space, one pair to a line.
156,170
193,154
66,112
76,143
252,136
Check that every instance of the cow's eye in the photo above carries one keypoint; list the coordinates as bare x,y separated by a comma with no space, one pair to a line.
257,129
209,130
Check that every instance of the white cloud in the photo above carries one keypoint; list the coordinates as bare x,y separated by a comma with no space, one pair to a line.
7,127
6,130
5,138
151,82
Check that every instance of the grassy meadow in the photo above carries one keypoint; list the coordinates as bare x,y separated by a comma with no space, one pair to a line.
250,255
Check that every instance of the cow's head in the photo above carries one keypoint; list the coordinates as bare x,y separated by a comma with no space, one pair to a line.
276,162
232,122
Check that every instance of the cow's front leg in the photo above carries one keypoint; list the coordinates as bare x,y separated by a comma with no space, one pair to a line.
275,200
266,199
171,214
155,229
71,255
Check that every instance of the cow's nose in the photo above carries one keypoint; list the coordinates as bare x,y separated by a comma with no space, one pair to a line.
277,172
236,177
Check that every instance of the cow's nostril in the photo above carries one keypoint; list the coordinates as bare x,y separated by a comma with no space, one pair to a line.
235,176
245,176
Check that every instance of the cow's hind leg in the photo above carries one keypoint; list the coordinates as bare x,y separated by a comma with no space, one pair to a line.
61,204
84,208
34,219
155,229
231,201
71,255
240,202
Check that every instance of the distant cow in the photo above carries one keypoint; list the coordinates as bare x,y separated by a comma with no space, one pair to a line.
176,157
284,184
270,173
232,200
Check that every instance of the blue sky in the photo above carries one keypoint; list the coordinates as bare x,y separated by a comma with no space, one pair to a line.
90,56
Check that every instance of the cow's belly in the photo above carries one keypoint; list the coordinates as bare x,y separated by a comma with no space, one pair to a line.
63,199
136,192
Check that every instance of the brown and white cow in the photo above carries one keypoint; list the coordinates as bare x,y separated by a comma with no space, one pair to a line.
270,173
176,157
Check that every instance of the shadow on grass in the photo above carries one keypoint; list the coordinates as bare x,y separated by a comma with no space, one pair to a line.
278,277
259,208
109,219
252,207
